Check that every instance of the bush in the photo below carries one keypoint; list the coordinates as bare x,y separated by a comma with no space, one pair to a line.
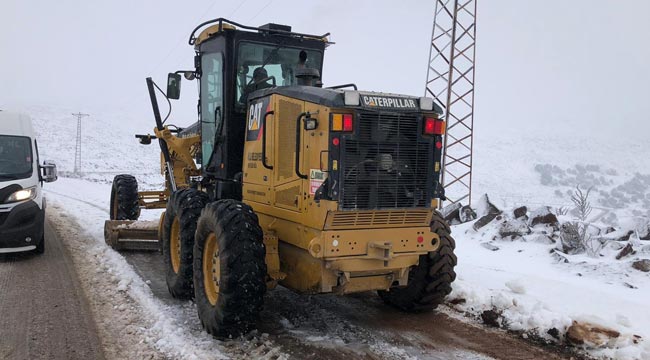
574,235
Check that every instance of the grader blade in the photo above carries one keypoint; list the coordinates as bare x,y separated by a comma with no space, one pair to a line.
132,235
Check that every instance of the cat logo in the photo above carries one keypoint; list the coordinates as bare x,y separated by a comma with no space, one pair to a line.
255,115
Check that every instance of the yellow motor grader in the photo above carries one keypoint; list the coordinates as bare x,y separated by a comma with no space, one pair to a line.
284,181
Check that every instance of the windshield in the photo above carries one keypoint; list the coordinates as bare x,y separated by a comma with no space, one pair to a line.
278,62
15,157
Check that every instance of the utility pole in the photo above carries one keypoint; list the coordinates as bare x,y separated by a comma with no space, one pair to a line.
77,150
450,81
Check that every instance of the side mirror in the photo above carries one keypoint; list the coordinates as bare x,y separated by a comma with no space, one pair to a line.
49,171
173,86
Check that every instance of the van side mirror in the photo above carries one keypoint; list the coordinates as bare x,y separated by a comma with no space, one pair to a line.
174,86
49,173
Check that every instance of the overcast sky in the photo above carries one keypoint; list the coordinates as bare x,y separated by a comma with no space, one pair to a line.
540,63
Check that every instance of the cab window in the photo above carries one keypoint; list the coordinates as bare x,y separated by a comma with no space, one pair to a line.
258,61
211,102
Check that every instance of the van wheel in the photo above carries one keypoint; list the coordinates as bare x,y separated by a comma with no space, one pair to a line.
40,248
124,198
430,281
183,210
229,268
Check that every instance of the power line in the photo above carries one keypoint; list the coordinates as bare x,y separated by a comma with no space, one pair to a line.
259,12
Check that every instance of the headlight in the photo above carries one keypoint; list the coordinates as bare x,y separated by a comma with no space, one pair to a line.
21,195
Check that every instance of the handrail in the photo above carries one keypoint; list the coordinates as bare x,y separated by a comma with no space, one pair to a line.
343,86
221,21
298,145
270,167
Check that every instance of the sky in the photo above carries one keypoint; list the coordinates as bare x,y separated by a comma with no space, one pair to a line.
542,65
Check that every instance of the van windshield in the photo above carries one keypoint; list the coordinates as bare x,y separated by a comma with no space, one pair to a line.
15,157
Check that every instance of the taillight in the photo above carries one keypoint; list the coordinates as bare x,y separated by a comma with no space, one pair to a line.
342,122
347,122
433,126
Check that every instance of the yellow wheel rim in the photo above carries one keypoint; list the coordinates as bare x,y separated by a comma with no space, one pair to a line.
211,269
175,245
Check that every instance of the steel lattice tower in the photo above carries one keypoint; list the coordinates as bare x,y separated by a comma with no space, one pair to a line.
450,81
77,149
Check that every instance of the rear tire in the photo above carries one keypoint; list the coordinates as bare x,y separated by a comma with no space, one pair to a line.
124,198
229,268
183,210
430,281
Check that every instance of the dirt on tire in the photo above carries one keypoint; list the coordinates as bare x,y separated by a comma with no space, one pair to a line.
430,281
184,206
124,198
242,279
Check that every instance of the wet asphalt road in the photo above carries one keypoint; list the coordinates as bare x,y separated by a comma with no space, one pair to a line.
43,311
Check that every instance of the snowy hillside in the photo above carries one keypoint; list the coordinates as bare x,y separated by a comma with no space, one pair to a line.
523,276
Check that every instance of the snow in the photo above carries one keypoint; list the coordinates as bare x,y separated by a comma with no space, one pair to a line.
533,289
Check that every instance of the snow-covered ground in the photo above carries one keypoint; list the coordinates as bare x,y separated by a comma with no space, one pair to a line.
532,287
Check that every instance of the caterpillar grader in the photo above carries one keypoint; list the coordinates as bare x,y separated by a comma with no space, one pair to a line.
284,181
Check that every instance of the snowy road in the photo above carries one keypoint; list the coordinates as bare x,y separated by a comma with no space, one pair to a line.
359,326
130,295
42,306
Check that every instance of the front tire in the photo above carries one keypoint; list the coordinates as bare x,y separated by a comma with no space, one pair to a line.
124,198
430,281
229,268
183,210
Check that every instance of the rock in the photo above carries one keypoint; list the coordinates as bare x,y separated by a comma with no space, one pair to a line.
451,212
513,229
485,207
645,236
627,250
540,238
625,237
516,286
487,212
490,318
609,230
590,335
466,214
457,301
554,332
543,215
483,221
642,265
490,246
520,212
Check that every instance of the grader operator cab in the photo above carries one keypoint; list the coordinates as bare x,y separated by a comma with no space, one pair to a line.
282,181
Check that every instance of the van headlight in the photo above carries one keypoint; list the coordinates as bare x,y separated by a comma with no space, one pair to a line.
22,195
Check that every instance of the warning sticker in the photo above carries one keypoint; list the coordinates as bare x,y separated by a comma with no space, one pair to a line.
316,179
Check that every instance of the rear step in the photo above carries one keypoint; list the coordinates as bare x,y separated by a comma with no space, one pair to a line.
132,235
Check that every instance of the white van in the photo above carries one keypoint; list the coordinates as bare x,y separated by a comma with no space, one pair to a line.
22,206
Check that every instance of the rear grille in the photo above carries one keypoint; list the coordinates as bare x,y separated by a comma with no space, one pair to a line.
385,165
385,218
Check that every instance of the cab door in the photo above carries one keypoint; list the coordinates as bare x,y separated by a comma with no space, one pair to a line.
288,186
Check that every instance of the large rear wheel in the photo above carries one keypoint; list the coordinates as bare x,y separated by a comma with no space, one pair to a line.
430,281
124,198
183,210
229,268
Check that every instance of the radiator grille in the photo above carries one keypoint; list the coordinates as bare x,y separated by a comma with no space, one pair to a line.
385,165
385,218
